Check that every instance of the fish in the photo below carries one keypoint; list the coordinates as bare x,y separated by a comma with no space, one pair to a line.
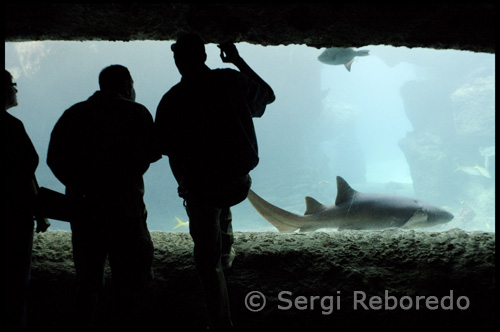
483,171
474,170
354,210
488,151
181,223
341,56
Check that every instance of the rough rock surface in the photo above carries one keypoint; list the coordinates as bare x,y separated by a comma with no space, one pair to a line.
474,114
466,26
332,266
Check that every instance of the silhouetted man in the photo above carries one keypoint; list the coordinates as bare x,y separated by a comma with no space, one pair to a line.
19,191
99,149
205,127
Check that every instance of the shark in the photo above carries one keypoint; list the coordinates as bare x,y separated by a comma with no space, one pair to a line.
354,210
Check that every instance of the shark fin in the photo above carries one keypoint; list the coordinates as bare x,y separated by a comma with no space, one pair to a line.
305,229
313,206
348,64
347,225
344,191
418,218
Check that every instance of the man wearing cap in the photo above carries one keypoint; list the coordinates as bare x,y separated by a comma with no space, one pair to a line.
204,125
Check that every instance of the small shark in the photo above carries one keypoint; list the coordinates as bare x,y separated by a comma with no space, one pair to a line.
474,170
488,151
340,56
353,210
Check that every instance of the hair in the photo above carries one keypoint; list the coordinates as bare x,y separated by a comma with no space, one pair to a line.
112,78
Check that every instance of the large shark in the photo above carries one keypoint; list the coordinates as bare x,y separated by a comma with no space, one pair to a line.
353,210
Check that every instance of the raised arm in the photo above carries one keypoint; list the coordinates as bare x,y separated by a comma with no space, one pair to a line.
229,54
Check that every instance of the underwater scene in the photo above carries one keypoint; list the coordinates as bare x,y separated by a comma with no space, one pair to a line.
397,125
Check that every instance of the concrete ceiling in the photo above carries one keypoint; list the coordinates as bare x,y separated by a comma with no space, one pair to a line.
441,26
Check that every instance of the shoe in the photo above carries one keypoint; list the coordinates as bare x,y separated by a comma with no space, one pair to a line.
227,260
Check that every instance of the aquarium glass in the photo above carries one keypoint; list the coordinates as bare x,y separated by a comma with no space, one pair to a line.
413,122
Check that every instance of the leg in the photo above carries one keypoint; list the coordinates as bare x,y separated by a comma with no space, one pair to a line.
18,252
226,227
204,227
89,255
130,258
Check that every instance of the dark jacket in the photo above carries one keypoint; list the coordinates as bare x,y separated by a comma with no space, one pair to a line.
204,125
19,162
101,148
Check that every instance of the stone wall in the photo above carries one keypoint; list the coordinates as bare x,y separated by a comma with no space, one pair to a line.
456,267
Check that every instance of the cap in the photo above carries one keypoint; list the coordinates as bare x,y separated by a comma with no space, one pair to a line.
189,44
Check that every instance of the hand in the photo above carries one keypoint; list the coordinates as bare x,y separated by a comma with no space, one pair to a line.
228,52
42,224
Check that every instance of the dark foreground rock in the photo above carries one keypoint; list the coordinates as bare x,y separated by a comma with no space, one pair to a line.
391,278
466,26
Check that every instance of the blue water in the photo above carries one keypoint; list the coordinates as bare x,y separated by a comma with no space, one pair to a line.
326,121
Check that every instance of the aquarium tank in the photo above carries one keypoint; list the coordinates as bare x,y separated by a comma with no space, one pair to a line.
413,122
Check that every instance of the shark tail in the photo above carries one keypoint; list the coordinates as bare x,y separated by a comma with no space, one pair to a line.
283,220
180,223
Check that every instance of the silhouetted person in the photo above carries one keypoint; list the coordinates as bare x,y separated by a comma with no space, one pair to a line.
19,190
99,149
205,127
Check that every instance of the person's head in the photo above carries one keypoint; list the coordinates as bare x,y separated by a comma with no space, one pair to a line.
189,53
117,79
10,91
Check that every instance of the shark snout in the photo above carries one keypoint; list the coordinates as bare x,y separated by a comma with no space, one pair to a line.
448,216
440,216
